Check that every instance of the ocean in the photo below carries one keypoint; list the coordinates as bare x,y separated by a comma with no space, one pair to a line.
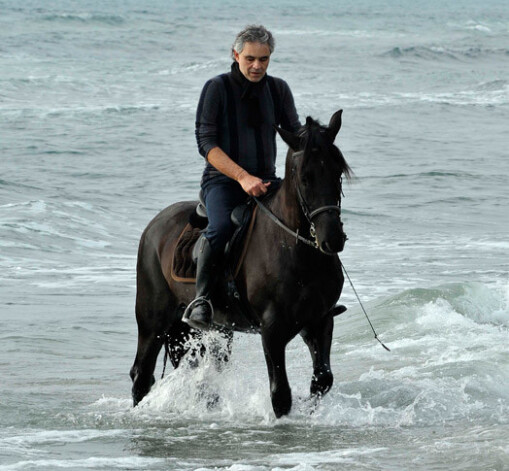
97,109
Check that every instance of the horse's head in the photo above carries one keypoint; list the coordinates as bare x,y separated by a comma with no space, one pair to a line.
316,167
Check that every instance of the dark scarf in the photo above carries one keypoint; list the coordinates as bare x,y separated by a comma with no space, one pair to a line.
251,92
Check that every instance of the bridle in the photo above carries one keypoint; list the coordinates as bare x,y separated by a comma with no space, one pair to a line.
308,213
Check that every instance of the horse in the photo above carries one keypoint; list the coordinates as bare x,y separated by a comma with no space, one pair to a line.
291,276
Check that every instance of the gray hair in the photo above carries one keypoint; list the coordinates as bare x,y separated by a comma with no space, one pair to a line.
253,34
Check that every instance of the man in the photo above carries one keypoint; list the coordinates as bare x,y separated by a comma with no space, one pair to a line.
235,133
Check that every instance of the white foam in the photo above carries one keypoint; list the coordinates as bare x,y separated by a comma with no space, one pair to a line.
303,461
188,393
459,98
88,463
44,437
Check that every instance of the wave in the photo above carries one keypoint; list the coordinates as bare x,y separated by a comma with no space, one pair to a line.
448,360
84,17
447,370
420,52
54,227
192,67
436,53
9,185
484,94
439,174
353,33
87,463
78,110
447,364
476,302
462,98
486,28
493,86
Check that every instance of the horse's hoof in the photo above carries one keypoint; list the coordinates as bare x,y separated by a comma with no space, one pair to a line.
321,382
280,411
136,399
281,402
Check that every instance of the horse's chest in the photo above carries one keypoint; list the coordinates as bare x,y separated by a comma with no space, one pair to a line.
296,288
309,290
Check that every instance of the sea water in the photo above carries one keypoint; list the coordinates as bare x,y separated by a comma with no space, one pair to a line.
97,104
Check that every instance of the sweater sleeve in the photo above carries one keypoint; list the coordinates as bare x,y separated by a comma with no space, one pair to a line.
207,118
289,118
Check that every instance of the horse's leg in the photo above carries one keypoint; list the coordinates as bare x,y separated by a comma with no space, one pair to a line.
274,345
318,338
177,338
142,371
155,313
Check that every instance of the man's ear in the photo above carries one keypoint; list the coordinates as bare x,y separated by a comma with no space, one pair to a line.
291,139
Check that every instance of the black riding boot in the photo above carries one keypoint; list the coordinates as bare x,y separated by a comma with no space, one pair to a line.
206,275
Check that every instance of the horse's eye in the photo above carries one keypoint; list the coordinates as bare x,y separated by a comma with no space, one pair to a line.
305,181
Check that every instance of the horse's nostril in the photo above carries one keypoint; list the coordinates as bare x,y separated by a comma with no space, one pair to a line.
331,248
326,248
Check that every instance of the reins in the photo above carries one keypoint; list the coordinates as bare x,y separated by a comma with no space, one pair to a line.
314,244
363,310
273,218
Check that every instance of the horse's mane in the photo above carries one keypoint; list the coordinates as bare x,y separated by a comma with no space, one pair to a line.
314,135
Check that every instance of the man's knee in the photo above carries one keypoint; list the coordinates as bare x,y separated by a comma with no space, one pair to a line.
219,235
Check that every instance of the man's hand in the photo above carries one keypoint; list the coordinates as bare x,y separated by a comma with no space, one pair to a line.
252,185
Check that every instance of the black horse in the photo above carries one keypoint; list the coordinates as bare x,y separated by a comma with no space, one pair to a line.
290,277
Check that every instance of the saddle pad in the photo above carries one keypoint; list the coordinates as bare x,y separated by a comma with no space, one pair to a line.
183,267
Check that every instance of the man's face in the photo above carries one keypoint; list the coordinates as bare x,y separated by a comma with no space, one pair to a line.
253,60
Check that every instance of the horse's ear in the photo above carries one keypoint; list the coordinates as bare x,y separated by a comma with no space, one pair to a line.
291,139
335,125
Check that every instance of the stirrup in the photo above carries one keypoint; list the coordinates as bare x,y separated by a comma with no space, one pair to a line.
189,308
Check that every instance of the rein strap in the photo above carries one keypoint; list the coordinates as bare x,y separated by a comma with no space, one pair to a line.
283,226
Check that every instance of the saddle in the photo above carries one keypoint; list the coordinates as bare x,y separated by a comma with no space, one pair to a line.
183,267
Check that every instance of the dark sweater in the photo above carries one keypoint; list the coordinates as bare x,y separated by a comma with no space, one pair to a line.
222,121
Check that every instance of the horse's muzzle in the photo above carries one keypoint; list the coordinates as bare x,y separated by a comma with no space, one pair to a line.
333,247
